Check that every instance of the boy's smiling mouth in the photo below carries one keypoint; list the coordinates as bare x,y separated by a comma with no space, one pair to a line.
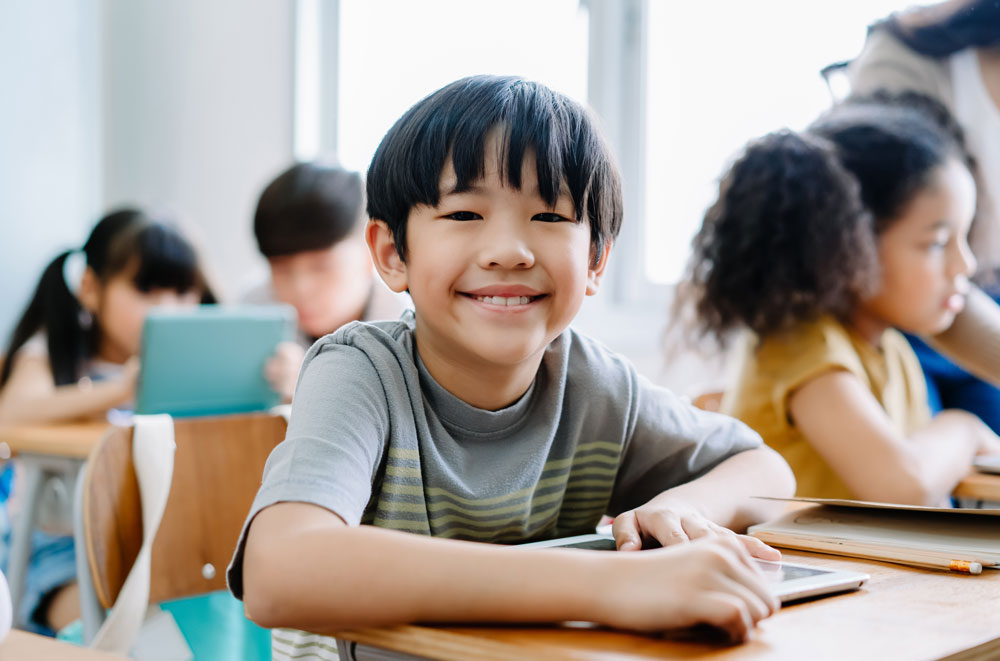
504,295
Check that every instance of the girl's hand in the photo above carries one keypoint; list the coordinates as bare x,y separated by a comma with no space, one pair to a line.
710,581
670,521
130,379
282,368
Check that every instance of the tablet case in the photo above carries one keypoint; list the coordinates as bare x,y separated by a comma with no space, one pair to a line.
210,360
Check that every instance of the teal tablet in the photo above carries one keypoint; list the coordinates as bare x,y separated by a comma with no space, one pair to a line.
210,360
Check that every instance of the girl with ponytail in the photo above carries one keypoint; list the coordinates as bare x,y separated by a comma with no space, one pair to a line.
73,354
821,244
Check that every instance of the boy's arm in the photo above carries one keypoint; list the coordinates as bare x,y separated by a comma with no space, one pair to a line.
707,506
850,430
305,568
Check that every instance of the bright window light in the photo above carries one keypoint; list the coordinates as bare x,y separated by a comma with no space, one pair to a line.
721,72
387,64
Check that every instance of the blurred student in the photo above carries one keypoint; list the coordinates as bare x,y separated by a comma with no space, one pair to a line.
309,225
74,354
483,418
821,244
951,52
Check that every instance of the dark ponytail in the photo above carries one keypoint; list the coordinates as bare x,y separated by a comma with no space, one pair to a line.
53,307
787,239
151,252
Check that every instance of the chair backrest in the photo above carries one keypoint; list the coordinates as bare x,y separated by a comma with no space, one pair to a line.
218,465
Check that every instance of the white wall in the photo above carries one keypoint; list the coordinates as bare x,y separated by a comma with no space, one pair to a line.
198,99
49,145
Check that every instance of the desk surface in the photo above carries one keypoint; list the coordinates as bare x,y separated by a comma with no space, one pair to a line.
74,439
979,486
901,613
21,646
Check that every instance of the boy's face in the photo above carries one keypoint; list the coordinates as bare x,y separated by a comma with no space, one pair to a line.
327,287
495,273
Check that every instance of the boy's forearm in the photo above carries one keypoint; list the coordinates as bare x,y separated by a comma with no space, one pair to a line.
723,495
325,579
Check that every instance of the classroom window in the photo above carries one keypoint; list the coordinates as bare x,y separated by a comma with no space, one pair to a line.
720,72
386,65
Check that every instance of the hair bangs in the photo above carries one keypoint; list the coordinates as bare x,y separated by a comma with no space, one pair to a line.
457,123
162,259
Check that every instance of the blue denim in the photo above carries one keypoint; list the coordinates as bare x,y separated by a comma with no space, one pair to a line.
51,565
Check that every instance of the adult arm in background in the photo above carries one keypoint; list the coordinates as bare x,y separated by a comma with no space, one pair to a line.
973,340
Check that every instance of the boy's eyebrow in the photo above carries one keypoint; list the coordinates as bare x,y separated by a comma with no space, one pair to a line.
477,188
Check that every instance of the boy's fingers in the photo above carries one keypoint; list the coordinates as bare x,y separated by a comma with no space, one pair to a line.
726,612
696,528
743,570
758,608
665,527
625,529
759,549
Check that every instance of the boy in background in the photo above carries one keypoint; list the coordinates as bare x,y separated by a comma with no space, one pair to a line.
308,227
482,417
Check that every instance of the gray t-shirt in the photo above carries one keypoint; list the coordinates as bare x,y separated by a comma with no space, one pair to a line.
376,440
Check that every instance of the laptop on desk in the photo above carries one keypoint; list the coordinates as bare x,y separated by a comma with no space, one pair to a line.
210,360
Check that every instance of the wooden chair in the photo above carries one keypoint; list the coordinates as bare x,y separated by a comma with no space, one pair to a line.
218,463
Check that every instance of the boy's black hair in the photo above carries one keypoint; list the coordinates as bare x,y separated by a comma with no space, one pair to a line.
309,206
455,122
793,234
151,252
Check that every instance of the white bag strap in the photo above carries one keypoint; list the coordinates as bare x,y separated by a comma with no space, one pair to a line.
153,457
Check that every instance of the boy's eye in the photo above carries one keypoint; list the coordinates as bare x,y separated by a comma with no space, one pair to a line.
550,218
463,215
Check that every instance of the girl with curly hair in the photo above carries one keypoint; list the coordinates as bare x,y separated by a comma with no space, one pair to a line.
821,244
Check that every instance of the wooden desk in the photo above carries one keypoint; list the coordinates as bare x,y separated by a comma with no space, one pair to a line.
74,440
24,646
901,613
43,451
980,487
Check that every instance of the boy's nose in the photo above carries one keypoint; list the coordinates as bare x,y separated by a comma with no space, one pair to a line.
506,249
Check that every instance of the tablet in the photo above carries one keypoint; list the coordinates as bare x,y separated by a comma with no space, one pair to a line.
210,360
987,463
788,581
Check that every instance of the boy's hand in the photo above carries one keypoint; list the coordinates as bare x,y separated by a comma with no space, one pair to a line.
282,368
672,521
710,581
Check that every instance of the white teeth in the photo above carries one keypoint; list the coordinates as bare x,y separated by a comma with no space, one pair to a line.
501,300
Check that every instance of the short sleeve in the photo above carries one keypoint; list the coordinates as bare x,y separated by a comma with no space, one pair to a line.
671,443
334,443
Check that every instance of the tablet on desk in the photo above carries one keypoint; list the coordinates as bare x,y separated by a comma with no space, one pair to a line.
210,360
788,581
987,463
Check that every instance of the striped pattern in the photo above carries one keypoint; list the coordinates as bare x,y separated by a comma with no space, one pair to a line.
570,496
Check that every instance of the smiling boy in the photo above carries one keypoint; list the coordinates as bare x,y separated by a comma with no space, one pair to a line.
483,417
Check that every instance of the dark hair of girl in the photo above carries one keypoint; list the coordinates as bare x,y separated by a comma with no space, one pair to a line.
151,252
974,25
793,233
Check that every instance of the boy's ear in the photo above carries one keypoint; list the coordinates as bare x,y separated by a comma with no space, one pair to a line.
391,268
89,293
596,271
